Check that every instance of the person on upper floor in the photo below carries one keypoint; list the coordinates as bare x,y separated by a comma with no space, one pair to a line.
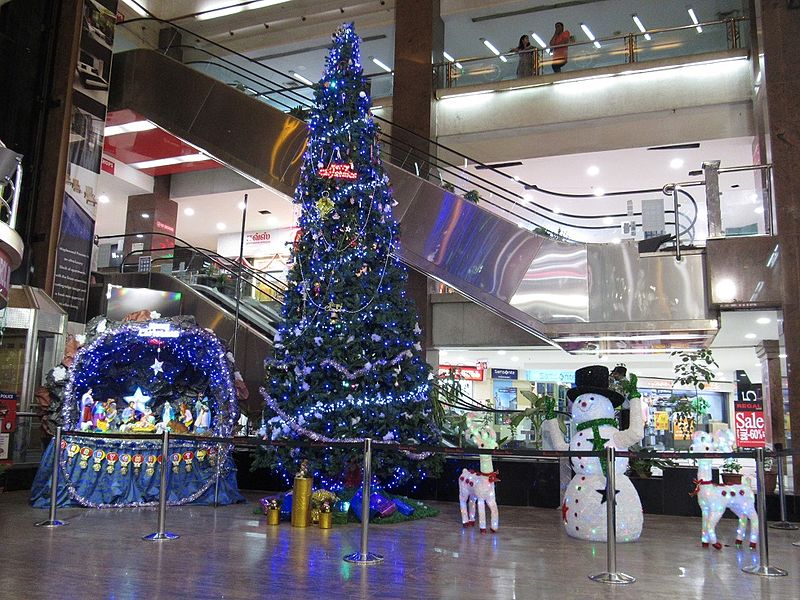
525,51
558,43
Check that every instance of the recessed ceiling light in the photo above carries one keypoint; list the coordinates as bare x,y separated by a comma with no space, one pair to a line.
188,211
527,198
220,226
599,191
750,336
241,205
725,290
676,163
515,359
763,320
103,199
381,64
593,170
759,210
139,235
145,215
501,352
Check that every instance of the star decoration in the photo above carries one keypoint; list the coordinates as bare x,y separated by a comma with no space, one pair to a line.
139,400
564,511
604,495
157,366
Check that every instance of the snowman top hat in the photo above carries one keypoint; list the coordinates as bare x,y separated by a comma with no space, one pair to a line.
594,380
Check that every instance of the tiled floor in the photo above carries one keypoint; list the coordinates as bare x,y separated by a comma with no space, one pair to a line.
230,553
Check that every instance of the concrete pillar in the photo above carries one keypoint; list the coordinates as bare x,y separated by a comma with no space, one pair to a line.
778,27
768,353
161,216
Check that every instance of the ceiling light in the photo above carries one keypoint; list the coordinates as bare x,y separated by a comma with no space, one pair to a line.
556,210
759,210
593,170
641,27
515,359
781,355
676,163
527,198
503,58
301,78
608,220
750,336
695,21
590,35
763,320
139,235
599,192
490,46
501,352
145,215
458,65
272,221
174,160
538,40
725,290
135,8
380,64
241,205
131,127
447,57
221,226
103,199
188,211
236,8
615,240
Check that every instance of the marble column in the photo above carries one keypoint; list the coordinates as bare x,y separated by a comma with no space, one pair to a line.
778,26
768,353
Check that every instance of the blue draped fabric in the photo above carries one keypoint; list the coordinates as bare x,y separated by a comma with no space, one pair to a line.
88,476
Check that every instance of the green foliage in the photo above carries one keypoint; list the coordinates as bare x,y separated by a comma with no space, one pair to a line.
542,407
472,196
694,368
642,464
447,186
731,465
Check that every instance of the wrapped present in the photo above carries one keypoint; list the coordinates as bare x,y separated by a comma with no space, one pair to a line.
385,506
286,505
403,507
355,506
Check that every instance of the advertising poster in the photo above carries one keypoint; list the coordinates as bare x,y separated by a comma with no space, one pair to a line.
661,420
73,260
748,416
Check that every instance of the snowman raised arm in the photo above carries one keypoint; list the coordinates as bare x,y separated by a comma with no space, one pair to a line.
595,426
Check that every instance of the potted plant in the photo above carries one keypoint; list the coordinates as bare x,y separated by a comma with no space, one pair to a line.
540,405
731,472
692,369
641,465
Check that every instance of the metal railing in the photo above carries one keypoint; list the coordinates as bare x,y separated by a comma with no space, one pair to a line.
653,44
11,179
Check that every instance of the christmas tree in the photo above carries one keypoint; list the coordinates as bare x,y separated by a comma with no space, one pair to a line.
347,363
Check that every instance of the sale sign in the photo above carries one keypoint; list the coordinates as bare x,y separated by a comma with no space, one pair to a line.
748,416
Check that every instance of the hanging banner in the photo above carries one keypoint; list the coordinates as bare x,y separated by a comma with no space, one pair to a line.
73,259
748,416
466,373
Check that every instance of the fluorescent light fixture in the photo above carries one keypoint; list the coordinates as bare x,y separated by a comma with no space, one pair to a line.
131,127
380,64
139,235
695,21
236,8
301,78
103,199
479,93
599,192
750,336
503,58
377,107
188,211
145,215
651,337
220,226
593,170
676,163
641,27
135,8
538,40
490,46
448,58
763,320
590,35
458,65
173,160
501,352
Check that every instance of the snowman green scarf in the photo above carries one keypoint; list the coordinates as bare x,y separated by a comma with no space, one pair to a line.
598,442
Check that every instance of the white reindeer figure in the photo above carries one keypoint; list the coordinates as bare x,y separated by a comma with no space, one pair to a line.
715,498
477,488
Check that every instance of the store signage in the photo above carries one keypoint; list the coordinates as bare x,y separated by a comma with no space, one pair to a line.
463,372
107,165
158,330
748,416
258,237
548,375
661,420
482,364
164,227
505,374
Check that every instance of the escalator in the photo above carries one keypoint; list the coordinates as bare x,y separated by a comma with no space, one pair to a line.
572,293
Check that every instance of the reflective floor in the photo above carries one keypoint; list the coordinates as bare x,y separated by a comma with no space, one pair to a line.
231,553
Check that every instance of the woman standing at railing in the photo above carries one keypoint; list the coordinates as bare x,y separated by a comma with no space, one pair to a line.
558,43
525,51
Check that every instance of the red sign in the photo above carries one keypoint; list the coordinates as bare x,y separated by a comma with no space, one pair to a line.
8,412
748,416
462,372
338,171
107,165
165,227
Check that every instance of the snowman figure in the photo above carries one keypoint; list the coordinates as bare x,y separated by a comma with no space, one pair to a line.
584,506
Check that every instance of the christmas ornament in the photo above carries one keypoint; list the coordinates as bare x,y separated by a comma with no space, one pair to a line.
714,498
584,508
157,367
324,205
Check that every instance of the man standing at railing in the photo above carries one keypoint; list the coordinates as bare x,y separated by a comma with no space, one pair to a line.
558,43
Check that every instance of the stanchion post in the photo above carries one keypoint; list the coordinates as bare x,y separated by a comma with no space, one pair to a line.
783,523
51,519
216,476
364,557
762,568
611,575
162,534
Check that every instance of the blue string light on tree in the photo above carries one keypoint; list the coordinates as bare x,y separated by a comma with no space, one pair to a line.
347,359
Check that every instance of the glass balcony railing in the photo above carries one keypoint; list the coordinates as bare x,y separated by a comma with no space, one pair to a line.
655,44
